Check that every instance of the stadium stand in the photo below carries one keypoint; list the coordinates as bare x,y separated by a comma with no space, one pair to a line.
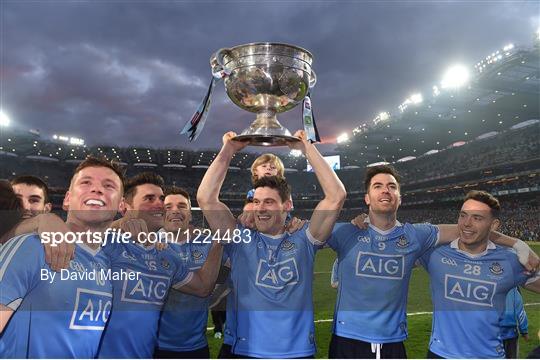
486,136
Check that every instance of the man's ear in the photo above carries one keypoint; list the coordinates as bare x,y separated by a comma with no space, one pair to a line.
122,207
366,199
495,225
48,208
288,205
65,203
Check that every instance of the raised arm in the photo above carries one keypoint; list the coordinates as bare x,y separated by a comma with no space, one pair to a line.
327,210
217,214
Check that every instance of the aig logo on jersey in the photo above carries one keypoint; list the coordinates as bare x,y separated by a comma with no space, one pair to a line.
91,311
278,275
471,291
147,289
380,266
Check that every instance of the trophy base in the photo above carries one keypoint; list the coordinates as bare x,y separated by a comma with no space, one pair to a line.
266,131
266,140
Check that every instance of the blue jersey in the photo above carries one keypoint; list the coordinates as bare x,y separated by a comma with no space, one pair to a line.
374,269
182,326
469,296
60,317
133,325
270,308
514,317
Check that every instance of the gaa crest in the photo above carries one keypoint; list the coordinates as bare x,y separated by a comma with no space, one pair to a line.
287,245
496,268
402,242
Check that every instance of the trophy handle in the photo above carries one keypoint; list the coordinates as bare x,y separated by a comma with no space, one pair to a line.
218,57
312,79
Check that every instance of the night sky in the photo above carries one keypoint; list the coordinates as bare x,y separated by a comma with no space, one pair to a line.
132,72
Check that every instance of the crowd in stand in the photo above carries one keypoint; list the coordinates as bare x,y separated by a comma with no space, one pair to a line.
508,147
519,218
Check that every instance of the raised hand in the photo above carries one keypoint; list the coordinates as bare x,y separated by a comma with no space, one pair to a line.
299,145
234,144
294,225
247,219
57,255
359,221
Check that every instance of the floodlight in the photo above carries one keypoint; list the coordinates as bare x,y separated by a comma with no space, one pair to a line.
416,98
342,138
296,152
384,116
77,141
508,47
4,119
455,76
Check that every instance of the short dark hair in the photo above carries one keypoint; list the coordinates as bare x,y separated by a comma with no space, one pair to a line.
146,177
32,180
175,190
380,169
486,198
276,183
11,208
93,161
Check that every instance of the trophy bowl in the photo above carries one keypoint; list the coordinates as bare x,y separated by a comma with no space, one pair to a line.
266,79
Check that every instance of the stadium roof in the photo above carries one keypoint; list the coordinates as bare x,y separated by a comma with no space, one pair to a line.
17,143
503,91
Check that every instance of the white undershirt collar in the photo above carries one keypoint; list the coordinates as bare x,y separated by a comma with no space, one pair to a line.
490,246
380,231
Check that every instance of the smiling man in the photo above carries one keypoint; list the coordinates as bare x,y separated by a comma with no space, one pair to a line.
132,331
33,193
144,199
470,278
42,315
374,270
270,308
187,340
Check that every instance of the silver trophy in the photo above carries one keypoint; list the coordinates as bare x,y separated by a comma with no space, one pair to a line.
265,78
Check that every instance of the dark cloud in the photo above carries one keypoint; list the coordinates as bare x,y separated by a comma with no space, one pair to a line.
132,72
